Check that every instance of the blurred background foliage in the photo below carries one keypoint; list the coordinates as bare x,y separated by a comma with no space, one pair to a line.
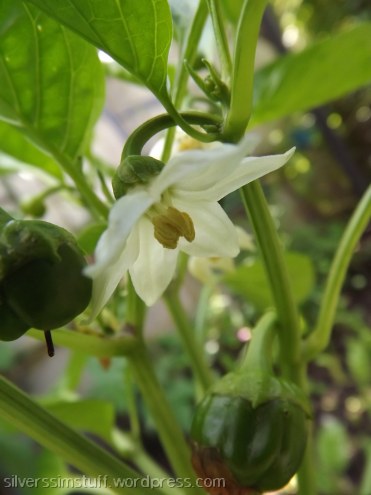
311,199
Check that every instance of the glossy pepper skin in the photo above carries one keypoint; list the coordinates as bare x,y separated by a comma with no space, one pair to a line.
251,430
41,280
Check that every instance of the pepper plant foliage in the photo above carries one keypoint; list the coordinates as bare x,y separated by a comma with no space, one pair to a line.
161,216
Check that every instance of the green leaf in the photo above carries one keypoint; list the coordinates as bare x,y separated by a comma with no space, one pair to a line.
16,152
51,80
89,415
321,73
89,236
137,34
250,281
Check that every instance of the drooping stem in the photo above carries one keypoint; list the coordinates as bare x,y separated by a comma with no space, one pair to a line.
276,269
33,420
319,338
195,352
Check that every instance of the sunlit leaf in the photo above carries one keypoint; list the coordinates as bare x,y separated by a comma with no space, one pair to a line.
137,34
51,80
319,74
250,281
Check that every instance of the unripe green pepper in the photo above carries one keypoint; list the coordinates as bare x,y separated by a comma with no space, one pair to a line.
41,280
250,429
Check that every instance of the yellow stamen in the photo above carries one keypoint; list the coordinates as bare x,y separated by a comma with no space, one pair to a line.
171,225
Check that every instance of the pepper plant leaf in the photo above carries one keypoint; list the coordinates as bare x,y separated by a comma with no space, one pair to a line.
51,80
137,34
251,282
322,72
17,152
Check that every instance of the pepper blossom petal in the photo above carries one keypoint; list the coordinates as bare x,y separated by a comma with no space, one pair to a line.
176,211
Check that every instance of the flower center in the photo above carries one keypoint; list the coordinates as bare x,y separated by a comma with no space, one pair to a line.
170,224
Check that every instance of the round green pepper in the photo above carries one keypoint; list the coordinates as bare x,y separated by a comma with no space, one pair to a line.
251,428
257,446
41,280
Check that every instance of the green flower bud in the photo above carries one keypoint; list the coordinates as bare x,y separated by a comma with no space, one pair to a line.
134,170
41,279
250,429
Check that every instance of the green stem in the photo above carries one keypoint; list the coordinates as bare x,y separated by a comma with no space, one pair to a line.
72,169
320,337
276,269
135,142
187,334
185,125
243,70
33,420
90,343
258,355
307,472
220,36
167,426
189,52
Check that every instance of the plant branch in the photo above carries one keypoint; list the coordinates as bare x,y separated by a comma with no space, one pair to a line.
274,262
187,334
320,337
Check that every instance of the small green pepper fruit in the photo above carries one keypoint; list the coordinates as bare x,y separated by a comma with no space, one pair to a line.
250,429
41,280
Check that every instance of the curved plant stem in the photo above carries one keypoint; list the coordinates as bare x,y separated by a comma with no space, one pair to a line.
167,426
188,54
319,338
274,262
33,420
187,334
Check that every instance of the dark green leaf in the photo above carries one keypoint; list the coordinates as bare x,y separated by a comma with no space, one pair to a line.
137,34
318,74
250,281
51,80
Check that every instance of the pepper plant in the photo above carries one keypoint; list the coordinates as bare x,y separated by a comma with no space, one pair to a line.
252,427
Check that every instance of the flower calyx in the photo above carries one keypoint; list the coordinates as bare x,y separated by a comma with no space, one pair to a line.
134,170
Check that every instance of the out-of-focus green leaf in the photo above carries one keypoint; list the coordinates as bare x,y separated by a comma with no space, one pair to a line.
16,152
51,80
137,34
89,236
89,415
358,361
250,281
333,451
318,74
